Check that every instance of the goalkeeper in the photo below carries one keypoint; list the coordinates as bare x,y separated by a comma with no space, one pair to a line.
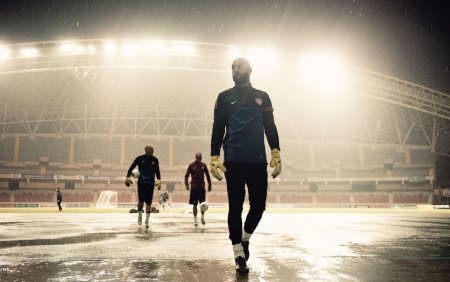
242,115
149,168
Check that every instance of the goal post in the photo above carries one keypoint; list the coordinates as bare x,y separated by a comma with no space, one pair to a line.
107,199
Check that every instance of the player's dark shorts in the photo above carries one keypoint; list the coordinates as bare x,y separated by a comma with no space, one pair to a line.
145,192
197,195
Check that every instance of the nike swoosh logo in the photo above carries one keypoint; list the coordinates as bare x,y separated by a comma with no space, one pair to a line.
233,102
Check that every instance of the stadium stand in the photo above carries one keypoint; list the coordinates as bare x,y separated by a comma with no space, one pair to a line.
179,197
411,198
333,198
125,197
217,197
371,198
329,157
272,198
105,150
184,151
4,196
6,149
78,197
34,197
290,198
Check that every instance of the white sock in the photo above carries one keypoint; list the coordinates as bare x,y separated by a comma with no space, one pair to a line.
238,251
147,215
203,215
246,236
195,219
140,214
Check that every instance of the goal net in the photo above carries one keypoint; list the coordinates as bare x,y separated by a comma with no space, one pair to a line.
107,199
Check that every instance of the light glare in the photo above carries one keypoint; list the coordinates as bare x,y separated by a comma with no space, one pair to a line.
5,53
155,48
91,49
130,49
234,53
183,49
29,52
322,72
109,48
262,59
72,49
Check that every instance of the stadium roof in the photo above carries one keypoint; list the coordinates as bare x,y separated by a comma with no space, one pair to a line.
156,88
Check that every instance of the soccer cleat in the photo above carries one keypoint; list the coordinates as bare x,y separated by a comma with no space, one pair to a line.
241,266
246,251
146,223
203,221
140,219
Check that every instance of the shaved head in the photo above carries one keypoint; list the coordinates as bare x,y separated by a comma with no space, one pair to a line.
241,71
242,61
149,150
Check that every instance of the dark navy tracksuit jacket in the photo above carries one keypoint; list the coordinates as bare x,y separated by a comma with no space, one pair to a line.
243,114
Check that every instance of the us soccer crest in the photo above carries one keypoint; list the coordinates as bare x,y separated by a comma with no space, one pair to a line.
258,101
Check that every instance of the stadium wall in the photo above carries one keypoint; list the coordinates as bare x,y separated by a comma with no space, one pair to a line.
43,193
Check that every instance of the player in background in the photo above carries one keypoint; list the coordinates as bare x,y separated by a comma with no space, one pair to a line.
197,170
148,168
242,115
164,199
59,199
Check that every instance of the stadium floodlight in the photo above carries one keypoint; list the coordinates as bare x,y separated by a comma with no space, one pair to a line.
131,49
323,73
262,59
233,53
155,48
72,49
149,48
109,48
29,52
91,49
183,49
5,53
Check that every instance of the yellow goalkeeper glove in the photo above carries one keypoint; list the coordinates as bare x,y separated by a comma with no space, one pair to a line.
158,184
128,182
275,162
216,164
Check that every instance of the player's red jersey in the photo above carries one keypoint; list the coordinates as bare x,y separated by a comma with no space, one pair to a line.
197,170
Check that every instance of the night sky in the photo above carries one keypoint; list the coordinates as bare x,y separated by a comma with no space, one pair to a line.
405,39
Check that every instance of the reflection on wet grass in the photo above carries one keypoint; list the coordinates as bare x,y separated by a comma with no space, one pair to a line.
308,247
84,238
144,270
124,270
10,223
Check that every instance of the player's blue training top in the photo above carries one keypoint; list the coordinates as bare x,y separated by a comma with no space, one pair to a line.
243,114
148,168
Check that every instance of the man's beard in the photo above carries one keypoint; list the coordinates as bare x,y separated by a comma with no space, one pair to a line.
241,78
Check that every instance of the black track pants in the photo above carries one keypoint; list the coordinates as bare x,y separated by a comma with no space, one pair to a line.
255,177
